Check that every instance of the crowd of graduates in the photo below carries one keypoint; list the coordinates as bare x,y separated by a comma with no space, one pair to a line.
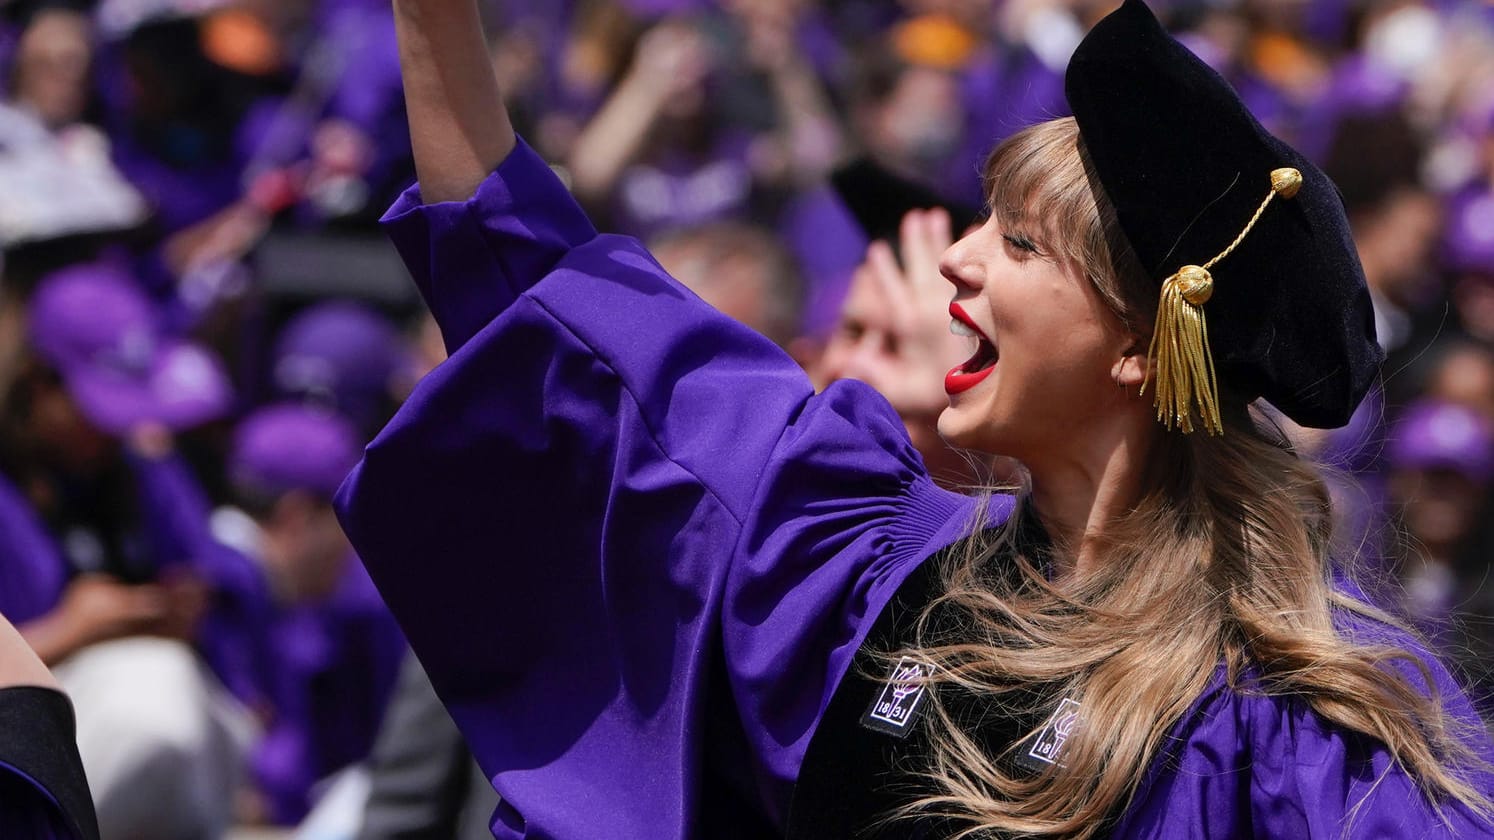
200,324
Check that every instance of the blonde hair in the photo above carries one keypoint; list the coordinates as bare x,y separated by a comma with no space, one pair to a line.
1223,561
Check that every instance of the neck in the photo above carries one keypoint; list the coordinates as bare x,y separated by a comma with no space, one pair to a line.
1079,493
947,466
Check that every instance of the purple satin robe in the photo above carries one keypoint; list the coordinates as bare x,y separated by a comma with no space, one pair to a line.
636,552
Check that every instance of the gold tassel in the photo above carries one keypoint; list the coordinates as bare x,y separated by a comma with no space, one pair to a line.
1179,354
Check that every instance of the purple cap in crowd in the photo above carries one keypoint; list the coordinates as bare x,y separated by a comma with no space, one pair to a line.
1431,434
95,326
291,446
340,354
1469,246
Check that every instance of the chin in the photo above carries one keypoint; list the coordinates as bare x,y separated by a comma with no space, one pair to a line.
961,430
967,428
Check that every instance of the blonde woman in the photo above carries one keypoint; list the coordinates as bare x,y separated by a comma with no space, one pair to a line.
668,591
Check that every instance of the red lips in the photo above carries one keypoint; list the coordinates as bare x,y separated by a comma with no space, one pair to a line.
977,367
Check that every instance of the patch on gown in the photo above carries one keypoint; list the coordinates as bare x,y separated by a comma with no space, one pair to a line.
896,707
1046,745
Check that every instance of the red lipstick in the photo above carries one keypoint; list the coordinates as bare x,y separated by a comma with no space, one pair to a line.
977,367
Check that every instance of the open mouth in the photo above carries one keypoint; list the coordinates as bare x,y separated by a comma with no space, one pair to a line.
976,368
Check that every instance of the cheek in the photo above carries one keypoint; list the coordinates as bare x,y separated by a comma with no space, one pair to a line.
1059,349
1051,385
833,357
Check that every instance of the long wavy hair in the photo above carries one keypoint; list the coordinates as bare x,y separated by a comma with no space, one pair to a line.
1222,563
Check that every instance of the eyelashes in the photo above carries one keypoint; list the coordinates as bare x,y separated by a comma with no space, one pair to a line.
1020,242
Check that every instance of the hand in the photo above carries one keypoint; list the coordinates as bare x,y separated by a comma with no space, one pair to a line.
672,59
97,608
186,599
895,325
224,236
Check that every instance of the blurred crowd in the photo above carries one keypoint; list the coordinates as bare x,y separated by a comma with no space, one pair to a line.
200,325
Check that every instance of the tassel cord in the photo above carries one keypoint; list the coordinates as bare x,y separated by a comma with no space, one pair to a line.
1183,364
1241,238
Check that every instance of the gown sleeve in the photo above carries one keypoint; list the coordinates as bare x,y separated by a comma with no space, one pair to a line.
615,524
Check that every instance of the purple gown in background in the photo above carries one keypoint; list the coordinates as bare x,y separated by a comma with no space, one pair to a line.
636,552
336,662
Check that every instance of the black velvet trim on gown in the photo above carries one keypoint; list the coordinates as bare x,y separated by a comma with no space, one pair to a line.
38,737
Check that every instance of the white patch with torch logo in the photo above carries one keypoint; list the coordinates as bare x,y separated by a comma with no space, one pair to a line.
896,706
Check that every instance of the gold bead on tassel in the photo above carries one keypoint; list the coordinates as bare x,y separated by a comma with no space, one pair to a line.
1180,358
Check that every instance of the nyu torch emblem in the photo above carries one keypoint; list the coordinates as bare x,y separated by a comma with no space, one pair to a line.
1049,741
896,706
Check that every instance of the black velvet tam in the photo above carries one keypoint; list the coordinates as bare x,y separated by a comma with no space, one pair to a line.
879,198
1186,166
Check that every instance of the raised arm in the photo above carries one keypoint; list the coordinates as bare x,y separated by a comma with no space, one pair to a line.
459,127
613,523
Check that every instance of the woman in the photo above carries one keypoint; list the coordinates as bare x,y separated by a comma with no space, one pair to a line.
638,555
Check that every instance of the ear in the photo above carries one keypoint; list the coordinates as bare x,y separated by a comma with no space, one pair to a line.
1130,370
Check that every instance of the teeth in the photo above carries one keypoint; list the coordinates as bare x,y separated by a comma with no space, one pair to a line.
960,329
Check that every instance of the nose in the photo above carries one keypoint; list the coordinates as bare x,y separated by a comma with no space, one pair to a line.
866,359
953,263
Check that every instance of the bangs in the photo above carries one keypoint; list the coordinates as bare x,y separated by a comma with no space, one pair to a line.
1037,183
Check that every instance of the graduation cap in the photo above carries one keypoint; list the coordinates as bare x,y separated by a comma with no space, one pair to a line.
1261,287
879,199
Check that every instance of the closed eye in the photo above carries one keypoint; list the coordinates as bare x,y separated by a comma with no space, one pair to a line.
1020,242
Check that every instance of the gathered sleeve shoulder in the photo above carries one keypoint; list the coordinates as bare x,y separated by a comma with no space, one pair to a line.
613,521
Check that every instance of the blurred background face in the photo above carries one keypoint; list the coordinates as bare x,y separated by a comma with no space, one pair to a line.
910,117
1465,377
62,434
735,286
1473,295
52,67
306,551
742,271
1439,506
920,122
864,344
1396,243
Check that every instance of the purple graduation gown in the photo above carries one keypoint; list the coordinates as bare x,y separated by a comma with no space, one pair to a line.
336,661
636,553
